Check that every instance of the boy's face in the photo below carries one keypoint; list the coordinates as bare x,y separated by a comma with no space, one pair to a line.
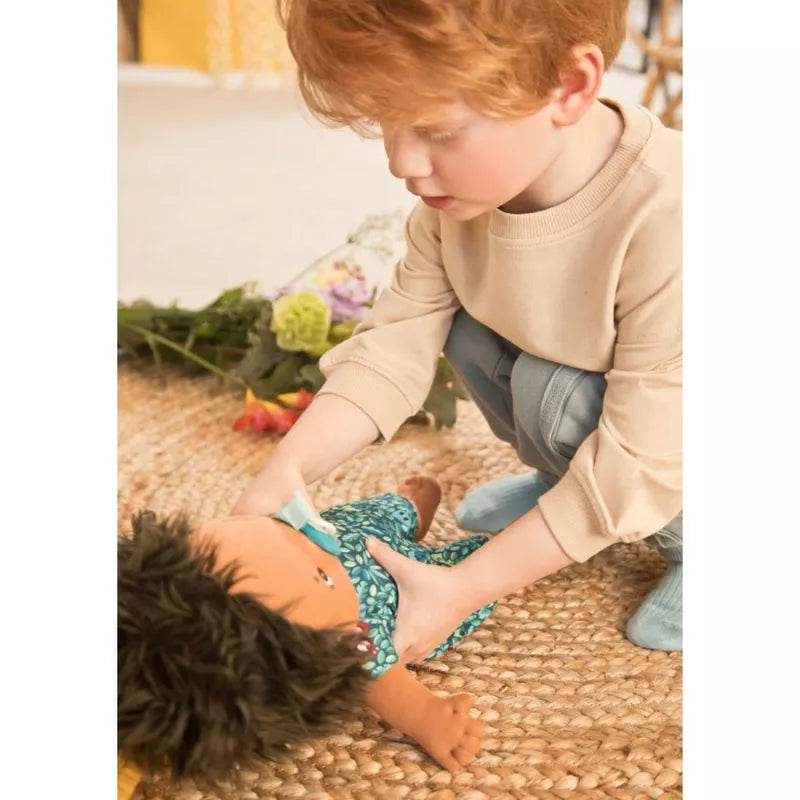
465,163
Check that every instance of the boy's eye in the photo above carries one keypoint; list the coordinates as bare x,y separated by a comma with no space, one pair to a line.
325,577
439,135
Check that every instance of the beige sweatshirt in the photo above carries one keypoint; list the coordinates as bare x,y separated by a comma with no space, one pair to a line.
594,283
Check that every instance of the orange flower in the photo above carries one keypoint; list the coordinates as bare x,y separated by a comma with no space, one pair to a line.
299,400
263,415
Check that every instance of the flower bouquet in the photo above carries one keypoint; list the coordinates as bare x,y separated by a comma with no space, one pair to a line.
269,347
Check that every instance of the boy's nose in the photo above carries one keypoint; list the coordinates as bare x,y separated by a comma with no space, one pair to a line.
408,155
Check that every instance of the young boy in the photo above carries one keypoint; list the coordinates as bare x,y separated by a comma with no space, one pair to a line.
544,259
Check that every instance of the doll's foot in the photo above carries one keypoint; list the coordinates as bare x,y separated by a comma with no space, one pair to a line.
425,494
455,736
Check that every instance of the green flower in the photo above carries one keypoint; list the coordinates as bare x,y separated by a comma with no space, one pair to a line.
319,350
301,322
342,331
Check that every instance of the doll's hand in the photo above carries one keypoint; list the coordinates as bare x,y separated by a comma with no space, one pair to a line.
431,602
455,736
442,725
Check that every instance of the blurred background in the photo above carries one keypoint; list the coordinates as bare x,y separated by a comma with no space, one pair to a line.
225,178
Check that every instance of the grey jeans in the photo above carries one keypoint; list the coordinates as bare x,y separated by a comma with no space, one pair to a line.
543,409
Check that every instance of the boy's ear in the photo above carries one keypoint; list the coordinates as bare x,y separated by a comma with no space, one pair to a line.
578,88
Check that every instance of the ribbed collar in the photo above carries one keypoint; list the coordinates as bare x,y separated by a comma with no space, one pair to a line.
638,127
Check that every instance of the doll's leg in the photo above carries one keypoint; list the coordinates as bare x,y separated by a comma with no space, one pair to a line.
399,519
425,494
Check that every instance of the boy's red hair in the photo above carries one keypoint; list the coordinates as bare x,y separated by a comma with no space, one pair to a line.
393,60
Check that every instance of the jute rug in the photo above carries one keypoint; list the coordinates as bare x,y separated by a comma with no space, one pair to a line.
572,709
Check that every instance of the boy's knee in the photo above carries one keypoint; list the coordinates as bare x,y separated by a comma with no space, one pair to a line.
571,409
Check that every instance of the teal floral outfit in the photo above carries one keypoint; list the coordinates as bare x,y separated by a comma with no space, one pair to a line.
393,519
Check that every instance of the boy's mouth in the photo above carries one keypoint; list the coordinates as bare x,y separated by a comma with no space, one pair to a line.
439,201
442,203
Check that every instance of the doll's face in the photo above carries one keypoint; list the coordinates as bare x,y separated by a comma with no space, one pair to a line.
286,570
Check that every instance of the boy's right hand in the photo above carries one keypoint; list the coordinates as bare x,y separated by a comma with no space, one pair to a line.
269,492
329,431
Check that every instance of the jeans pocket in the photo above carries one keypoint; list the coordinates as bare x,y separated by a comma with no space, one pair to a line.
571,408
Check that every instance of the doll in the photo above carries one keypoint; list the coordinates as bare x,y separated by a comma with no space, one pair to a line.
252,632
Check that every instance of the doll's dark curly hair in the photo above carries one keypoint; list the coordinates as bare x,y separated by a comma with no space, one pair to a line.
209,680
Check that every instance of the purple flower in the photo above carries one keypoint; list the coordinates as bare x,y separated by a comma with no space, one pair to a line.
346,299
343,287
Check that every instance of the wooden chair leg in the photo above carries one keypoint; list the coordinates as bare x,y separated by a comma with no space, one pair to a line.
669,115
655,78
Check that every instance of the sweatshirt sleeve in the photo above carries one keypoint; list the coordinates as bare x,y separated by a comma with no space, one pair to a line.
624,481
387,366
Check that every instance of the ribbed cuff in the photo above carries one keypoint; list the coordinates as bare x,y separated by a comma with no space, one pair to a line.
572,519
375,395
668,595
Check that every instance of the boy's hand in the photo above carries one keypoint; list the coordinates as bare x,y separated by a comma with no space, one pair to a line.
269,492
431,602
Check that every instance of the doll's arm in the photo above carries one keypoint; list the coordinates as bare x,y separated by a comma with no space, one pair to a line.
442,725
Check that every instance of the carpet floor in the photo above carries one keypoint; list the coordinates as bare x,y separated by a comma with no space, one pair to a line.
572,709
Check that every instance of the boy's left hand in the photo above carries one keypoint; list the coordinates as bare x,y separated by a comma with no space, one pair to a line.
431,602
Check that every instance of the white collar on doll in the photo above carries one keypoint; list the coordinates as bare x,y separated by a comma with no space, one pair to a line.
299,514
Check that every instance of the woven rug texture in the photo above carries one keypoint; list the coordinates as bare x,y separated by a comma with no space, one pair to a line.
572,709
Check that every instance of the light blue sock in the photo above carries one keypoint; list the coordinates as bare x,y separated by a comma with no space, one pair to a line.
495,505
658,624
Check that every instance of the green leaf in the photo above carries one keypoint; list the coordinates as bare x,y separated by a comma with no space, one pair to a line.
231,338
155,339
312,375
284,378
205,330
153,345
138,313
260,358
220,330
234,298
263,353
441,400
447,375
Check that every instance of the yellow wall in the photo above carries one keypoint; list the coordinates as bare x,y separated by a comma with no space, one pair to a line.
213,35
